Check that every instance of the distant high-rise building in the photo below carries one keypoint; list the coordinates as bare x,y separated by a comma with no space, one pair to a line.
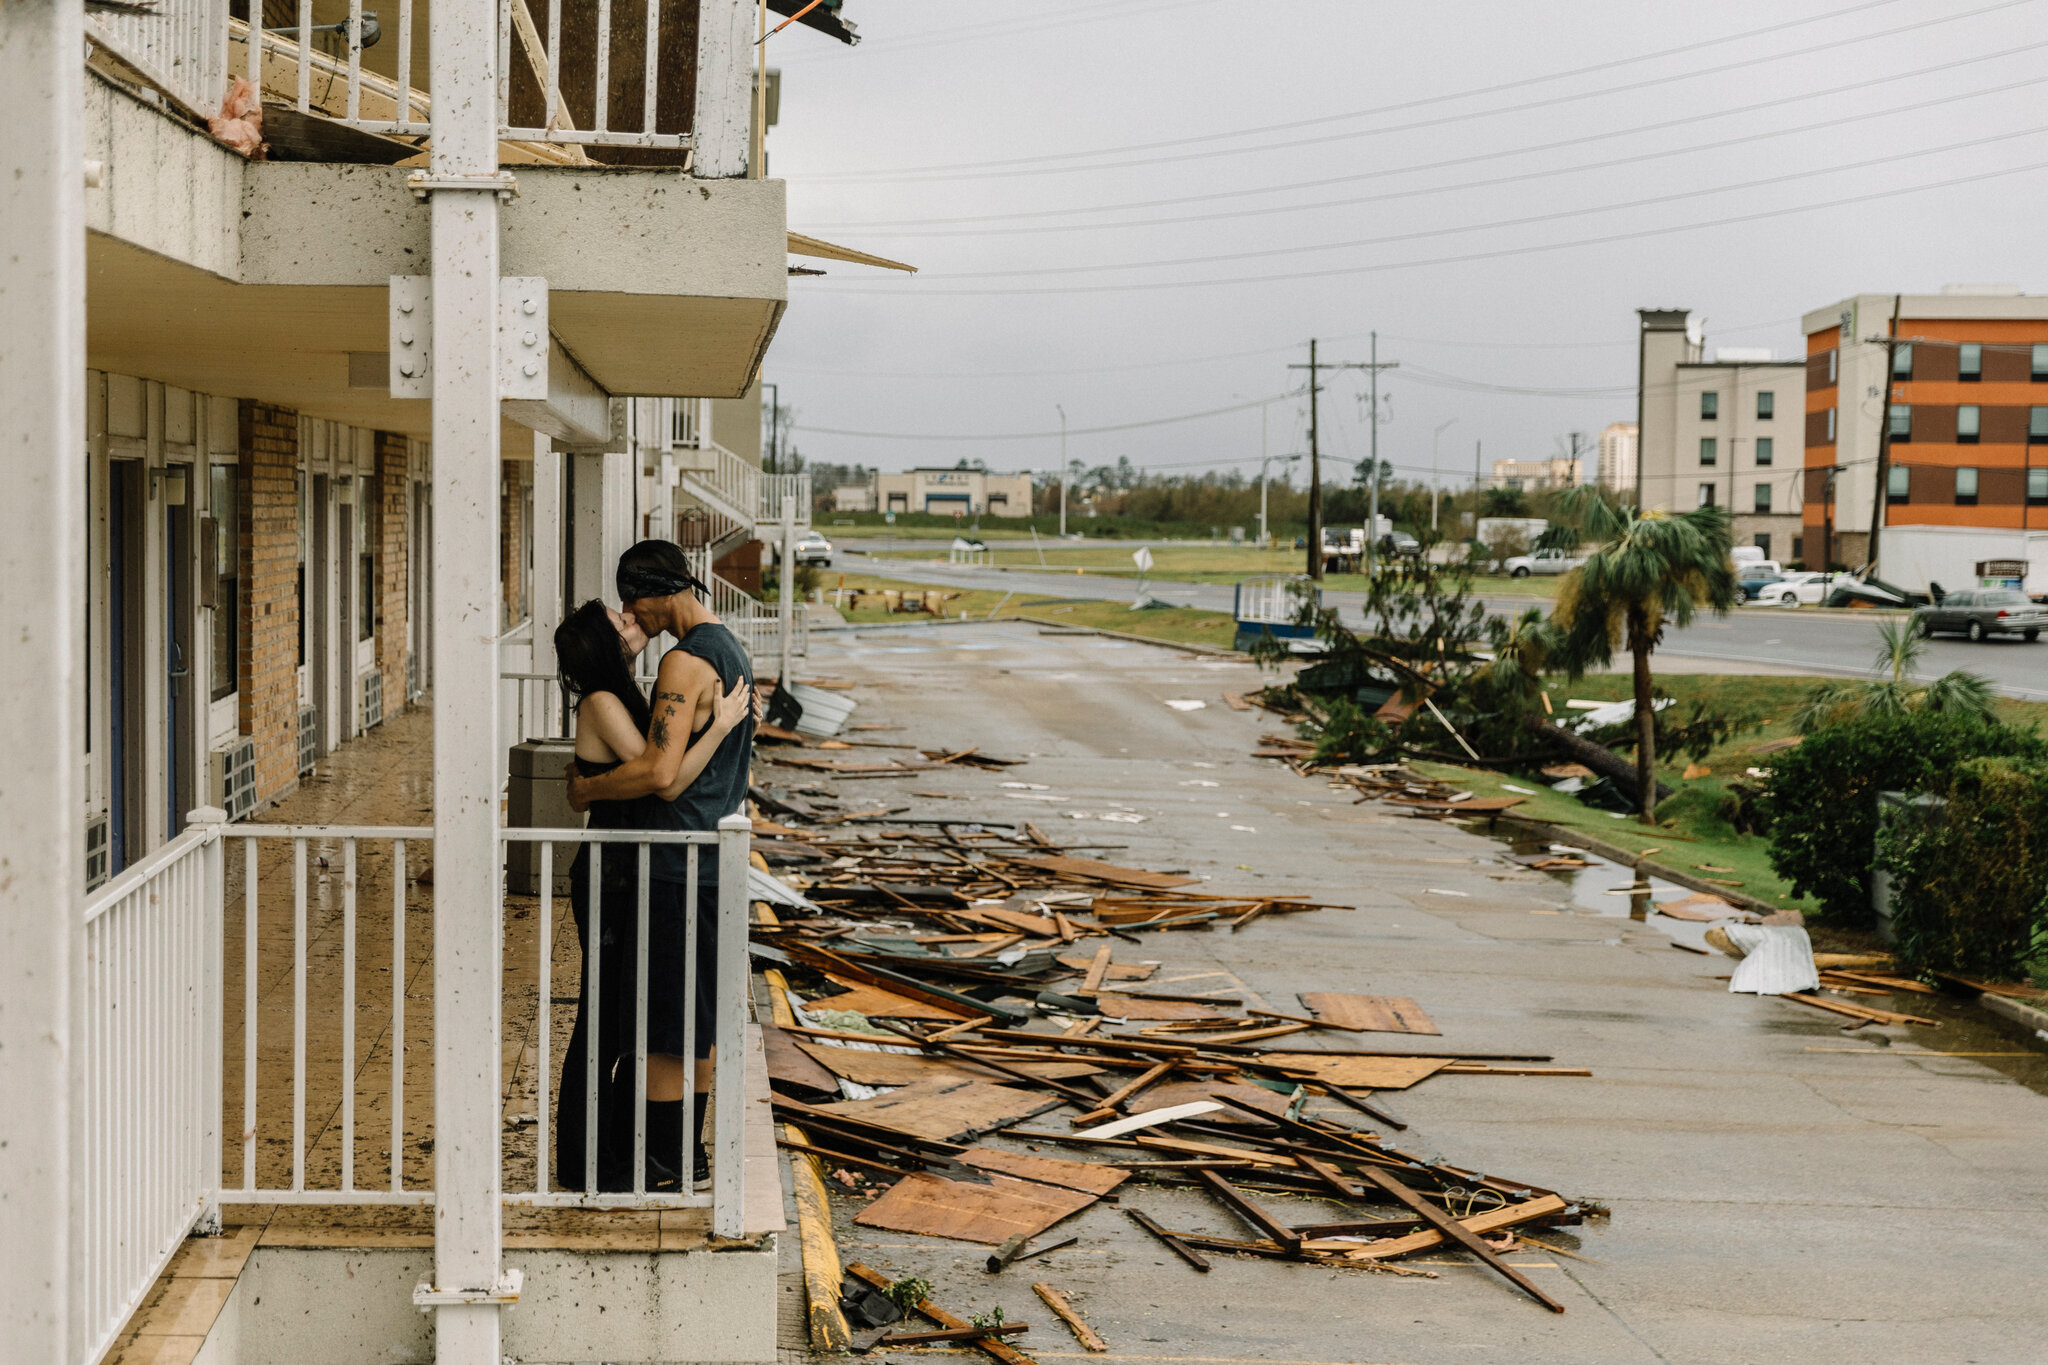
1617,467
1536,476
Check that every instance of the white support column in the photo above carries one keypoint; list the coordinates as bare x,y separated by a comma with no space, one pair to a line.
547,551
42,566
785,581
725,76
590,573
467,942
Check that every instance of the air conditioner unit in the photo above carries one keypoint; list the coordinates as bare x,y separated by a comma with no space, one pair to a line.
234,778
373,699
309,739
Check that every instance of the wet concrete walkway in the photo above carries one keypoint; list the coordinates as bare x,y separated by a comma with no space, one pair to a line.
1780,1189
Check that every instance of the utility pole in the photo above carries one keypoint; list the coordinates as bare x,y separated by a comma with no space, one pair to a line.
1881,490
1061,409
1315,453
774,393
1433,472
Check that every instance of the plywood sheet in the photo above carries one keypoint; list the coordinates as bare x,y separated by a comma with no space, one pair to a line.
946,1109
1186,1092
990,1214
1361,1073
1073,1175
1373,1013
876,1002
788,1064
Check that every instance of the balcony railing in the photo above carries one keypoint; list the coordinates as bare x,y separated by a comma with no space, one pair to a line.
329,1043
586,73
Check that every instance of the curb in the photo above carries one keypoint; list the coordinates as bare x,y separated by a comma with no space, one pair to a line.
1217,650
1616,853
2026,1016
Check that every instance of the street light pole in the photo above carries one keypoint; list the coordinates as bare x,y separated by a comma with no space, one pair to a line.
1061,409
1433,475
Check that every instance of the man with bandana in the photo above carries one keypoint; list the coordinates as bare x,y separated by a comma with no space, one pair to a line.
659,591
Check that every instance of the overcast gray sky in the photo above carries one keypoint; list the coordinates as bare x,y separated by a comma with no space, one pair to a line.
1141,209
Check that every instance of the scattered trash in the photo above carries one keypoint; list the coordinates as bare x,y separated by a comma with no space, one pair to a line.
1187,704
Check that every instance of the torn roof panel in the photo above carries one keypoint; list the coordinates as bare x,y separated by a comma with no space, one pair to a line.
825,18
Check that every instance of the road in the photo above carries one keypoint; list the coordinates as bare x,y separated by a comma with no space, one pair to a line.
1779,1190
1752,639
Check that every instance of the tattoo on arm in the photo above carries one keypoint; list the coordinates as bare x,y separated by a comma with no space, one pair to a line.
657,734
676,697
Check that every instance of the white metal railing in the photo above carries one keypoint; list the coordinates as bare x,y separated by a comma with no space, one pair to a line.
336,84
1275,599
179,46
727,975
149,1075
734,484
777,489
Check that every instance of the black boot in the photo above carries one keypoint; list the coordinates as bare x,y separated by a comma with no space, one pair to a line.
699,1104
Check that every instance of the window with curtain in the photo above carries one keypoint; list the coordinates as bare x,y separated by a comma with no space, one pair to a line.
1763,497
1966,486
1970,362
1766,405
1766,450
1710,451
1898,483
1710,406
1902,422
1969,419
1902,361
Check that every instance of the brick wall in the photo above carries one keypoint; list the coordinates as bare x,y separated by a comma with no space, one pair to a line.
390,535
518,476
269,527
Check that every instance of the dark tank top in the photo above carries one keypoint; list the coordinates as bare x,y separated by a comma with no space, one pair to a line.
721,789
621,861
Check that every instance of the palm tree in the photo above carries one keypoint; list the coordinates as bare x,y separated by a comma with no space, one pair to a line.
1651,569
1899,649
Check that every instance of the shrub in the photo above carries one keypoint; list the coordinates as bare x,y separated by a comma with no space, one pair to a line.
1821,802
1970,890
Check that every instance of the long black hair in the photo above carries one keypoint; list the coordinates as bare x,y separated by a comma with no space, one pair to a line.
590,655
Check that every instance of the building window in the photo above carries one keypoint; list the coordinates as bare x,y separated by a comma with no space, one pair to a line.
1763,497
1902,361
2040,363
2037,487
1762,540
1766,406
1766,450
1970,362
223,490
1710,406
1710,450
1966,486
1898,484
366,596
1834,358
1831,426
1902,422
1969,419
2037,426
1706,495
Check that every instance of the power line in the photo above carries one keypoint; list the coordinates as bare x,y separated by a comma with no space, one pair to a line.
991,169
1793,130
1043,435
1463,257
1524,221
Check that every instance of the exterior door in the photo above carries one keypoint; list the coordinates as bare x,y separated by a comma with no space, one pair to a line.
181,715
126,499
320,639
344,642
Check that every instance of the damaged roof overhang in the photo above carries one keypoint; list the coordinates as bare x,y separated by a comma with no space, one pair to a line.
818,249
825,18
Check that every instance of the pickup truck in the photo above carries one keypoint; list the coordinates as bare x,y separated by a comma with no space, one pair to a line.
1542,562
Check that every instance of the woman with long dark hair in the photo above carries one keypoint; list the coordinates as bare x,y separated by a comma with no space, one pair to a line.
595,648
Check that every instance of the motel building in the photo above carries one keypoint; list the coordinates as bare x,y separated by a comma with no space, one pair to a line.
307,457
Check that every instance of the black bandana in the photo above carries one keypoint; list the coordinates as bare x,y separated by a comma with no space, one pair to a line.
649,580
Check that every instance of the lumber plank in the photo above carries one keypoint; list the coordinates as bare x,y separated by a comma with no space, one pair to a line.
1001,1350
1173,1243
1064,1311
1369,1013
1459,1233
991,1214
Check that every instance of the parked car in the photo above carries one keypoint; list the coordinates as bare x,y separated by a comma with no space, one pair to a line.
1542,562
1805,589
1755,576
1400,543
813,549
1984,611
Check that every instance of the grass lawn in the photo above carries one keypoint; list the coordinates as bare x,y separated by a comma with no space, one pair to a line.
1178,625
1693,810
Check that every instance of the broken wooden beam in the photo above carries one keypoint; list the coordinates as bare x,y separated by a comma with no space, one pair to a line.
1064,1311
990,1345
1247,1209
1457,1232
1173,1242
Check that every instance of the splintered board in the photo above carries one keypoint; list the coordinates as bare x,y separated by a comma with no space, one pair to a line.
1088,869
991,1214
1118,971
863,1067
1360,1073
1089,1176
1134,1007
878,1003
1186,1092
1372,1013
945,1109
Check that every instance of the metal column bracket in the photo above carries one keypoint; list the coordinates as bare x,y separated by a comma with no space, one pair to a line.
523,337
425,1296
503,183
